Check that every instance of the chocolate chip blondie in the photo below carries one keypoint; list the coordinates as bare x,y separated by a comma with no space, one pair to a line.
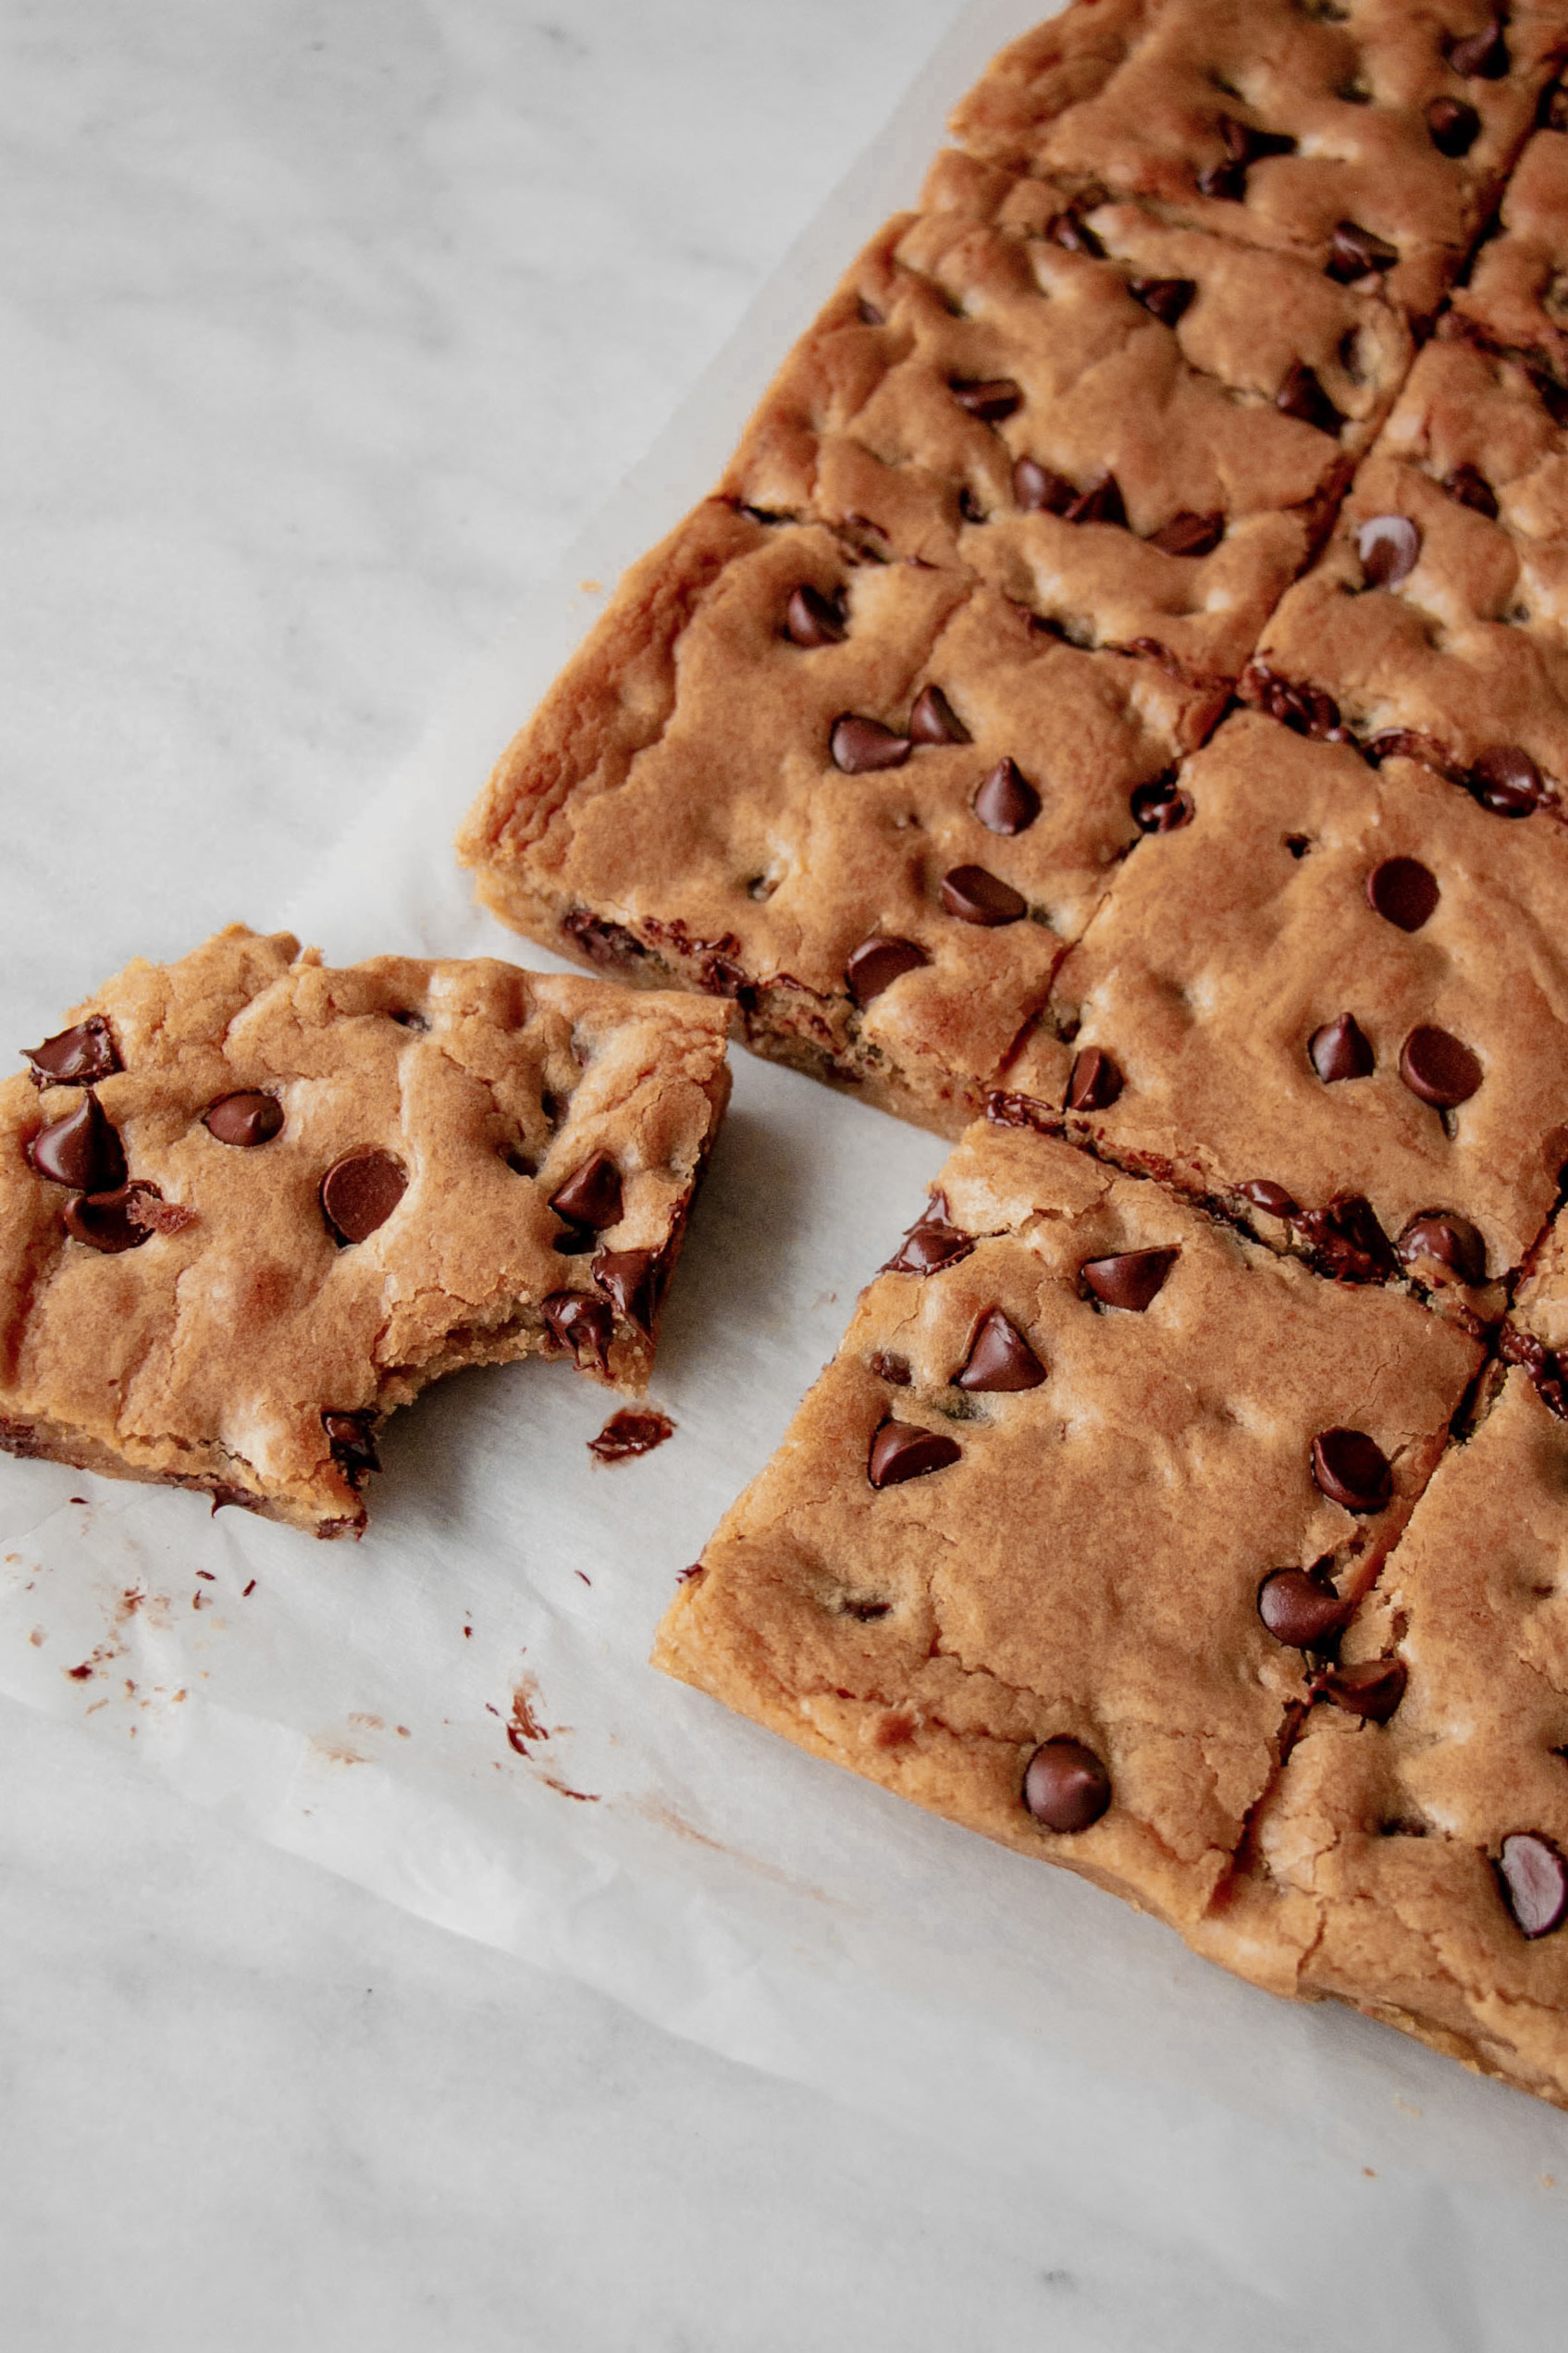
249,1204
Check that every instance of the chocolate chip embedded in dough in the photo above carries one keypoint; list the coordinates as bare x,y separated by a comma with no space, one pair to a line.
245,1118
900,1450
1438,1067
975,895
1039,492
78,1056
1000,1358
1355,251
1351,1469
1450,1240
1339,1050
82,1150
1506,780
1303,397
859,745
1065,1786
629,1280
877,963
891,1369
1345,1240
1131,1279
359,1191
1073,235
1164,298
591,1196
812,619
107,1222
1403,892
1190,535
350,1437
1481,56
1272,1199
1005,801
1161,807
1226,181
1372,1689
1454,126
1469,486
1093,1082
992,401
1534,1882
931,1244
1101,502
1300,1608
582,1324
1388,546
934,721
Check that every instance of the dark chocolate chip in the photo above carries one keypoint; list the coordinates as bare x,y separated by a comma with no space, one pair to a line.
877,963
1000,1358
1481,56
1161,807
1534,1882
1454,126
1248,144
633,1430
992,401
1387,546
630,1280
1351,1468
108,1221
1166,297
359,1191
1507,781
1093,1082
891,1369
1226,181
1300,1607
1006,802
1450,1239
82,1150
1545,1368
1074,235
900,1450
1101,502
1303,397
350,1437
1403,743
930,1245
582,1324
934,721
1355,252
1130,1280
858,746
591,1196
1339,1050
1435,1065
1372,1689
408,1020
1403,892
1272,1199
574,1242
1065,1786
244,1118
976,897
78,1056
1346,1241
600,941
1190,535
812,619
1471,488
1307,710
1039,492
869,314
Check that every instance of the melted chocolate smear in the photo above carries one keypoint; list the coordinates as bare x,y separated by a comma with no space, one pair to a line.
582,1324
1351,1469
78,1056
602,942
359,1191
629,1433
975,895
591,1196
1446,1238
1133,1279
1000,1358
353,1443
1006,802
1066,1788
900,1450
244,1120
1346,1241
82,1150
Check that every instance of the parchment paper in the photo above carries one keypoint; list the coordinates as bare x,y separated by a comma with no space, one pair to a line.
457,1712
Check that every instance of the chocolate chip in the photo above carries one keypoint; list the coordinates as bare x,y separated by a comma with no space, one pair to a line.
1534,1882
1272,1199
406,1020
1303,397
931,1244
1507,781
891,1369
1450,1239
899,1451
992,401
858,746
1481,56
1545,1368
601,942
574,1242
1093,1082
78,1056
1074,235
1161,807
1387,546
1339,1050
1065,1786
591,1197
630,1280
1351,1468
582,1324
812,619
1453,125
1372,1689
934,721
1166,297
1354,251
1247,144
877,963
1130,1280
632,1431
245,1118
108,1221
1403,892
1346,1241
1000,1358
1307,710
1435,1065
1300,1608
1039,492
1190,535
1403,743
869,314
1101,502
359,1191
1471,488
1006,802
976,897
82,1150
1226,181
352,1445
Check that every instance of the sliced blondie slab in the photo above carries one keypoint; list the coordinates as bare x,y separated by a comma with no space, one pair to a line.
249,1204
